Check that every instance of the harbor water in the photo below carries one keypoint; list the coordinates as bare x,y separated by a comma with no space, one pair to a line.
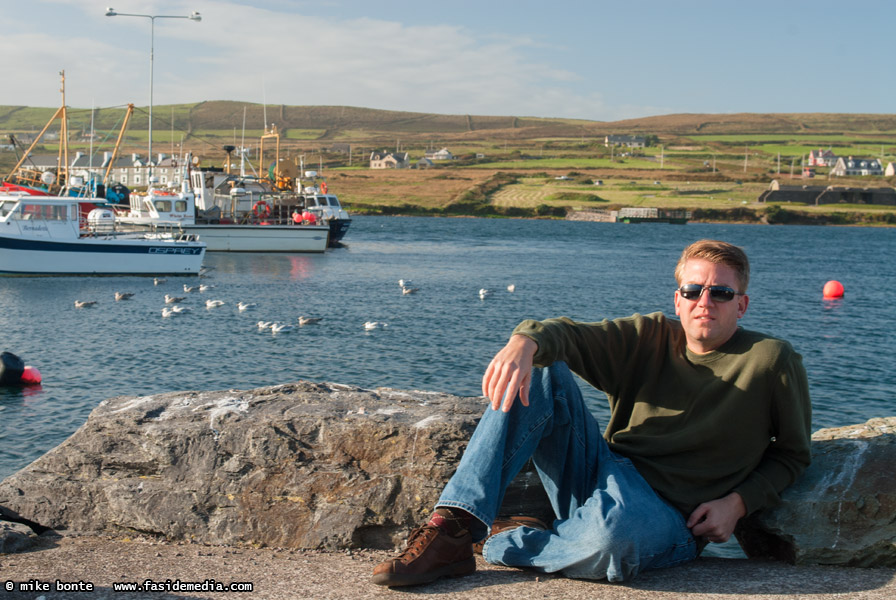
441,337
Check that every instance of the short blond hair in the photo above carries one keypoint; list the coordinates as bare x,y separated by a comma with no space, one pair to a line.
717,252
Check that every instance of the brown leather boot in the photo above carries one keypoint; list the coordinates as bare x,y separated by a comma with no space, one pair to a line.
431,553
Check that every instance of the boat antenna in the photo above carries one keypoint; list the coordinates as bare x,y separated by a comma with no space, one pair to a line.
243,147
92,179
264,103
63,136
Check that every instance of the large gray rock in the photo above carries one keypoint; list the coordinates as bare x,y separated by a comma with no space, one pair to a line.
842,510
303,465
310,466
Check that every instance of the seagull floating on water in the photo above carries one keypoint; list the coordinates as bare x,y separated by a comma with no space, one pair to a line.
374,325
309,320
281,328
123,295
511,288
158,280
190,288
265,325
204,287
84,303
214,303
174,299
484,292
245,306
179,309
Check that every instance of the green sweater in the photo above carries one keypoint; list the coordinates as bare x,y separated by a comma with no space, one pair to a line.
696,426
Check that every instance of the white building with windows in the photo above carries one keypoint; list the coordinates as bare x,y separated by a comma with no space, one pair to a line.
130,171
851,165
629,141
442,154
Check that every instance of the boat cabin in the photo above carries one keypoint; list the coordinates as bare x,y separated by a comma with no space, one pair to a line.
39,216
162,207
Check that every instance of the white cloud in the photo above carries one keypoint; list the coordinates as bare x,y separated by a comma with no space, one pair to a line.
251,54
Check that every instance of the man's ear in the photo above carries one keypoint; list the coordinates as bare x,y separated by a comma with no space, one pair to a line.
742,303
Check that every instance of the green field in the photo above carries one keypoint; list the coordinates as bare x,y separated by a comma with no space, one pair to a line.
719,164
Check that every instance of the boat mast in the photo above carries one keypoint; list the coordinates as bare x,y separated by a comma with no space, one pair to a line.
124,126
63,140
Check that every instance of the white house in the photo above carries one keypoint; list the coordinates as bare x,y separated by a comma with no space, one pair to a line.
822,158
856,166
389,160
629,141
442,154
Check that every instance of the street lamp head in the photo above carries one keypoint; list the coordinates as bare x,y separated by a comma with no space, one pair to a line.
110,12
195,16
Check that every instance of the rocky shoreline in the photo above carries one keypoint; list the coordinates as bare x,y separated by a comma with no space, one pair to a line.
306,486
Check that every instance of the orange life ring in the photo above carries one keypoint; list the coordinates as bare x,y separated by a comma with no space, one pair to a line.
323,187
261,210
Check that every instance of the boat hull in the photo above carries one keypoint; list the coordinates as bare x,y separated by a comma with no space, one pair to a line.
98,256
338,229
261,238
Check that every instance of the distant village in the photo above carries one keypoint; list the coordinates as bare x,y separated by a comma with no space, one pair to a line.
131,170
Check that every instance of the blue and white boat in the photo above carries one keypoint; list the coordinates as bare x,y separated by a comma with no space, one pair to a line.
324,206
44,235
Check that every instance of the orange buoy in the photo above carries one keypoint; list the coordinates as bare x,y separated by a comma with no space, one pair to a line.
832,289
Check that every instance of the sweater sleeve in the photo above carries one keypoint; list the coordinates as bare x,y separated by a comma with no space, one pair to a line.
601,352
789,453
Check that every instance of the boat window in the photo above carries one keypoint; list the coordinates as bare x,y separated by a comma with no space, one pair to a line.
333,200
6,208
35,211
180,205
163,205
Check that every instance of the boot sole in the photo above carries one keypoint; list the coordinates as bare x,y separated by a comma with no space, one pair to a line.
458,569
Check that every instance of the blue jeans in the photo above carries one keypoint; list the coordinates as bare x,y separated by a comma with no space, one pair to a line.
610,523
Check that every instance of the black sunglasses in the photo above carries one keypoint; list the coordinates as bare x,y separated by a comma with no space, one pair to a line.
718,293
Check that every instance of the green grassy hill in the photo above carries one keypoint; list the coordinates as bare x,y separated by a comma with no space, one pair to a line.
348,123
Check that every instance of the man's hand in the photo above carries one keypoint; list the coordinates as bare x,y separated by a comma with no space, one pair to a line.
510,373
715,520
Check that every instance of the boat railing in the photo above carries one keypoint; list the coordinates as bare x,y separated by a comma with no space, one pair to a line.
162,230
259,208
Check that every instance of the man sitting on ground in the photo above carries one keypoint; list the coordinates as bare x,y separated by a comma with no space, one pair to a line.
708,423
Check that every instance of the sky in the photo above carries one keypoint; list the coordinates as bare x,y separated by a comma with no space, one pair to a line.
585,59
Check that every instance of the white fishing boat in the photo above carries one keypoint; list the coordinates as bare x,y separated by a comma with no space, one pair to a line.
228,218
325,206
43,235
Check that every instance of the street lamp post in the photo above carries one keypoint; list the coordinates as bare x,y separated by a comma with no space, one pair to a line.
194,16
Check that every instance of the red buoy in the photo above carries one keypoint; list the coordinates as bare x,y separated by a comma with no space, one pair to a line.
832,289
30,375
